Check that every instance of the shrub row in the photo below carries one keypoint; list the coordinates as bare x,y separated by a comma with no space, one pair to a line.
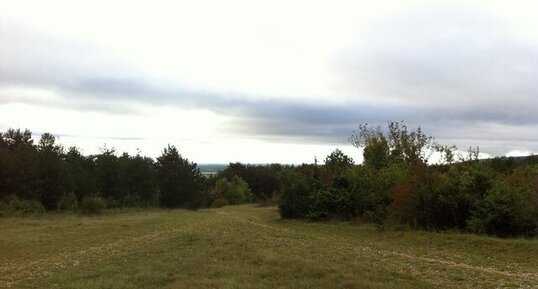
395,185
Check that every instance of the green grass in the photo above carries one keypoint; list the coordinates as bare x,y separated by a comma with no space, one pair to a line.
247,247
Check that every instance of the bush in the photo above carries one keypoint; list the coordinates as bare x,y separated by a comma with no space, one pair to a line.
219,202
231,192
397,185
372,191
510,208
68,202
327,203
180,182
15,207
92,205
295,194
416,200
262,179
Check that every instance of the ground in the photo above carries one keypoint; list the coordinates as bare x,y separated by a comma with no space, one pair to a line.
249,247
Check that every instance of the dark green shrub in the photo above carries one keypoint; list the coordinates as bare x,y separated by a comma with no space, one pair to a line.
295,194
233,192
219,202
371,191
92,205
319,205
180,182
416,200
327,203
68,202
262,179
510,208
361,188
239,191
15,207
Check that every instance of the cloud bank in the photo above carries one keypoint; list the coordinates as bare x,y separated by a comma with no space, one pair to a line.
465,75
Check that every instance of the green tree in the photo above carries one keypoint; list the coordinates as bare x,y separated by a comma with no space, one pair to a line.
68,202
19,173
336,165
137,181
52,171
398,144
510,207
297,186
180,181
262,179
107,174
231,192
374,143
81,177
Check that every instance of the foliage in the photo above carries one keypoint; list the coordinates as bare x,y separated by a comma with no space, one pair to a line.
396,185
416,199
219,201
16,207
232,192
46,173
68,202
137,181
334,170
18,156
295,192
180,181
107,173
51,171
81,177
317,193
510,208
263,180
92,205
398,144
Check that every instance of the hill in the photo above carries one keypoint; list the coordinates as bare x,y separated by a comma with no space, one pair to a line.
247,247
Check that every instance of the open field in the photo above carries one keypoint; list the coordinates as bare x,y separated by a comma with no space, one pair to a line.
248,247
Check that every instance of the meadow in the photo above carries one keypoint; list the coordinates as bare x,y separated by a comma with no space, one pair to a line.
249,247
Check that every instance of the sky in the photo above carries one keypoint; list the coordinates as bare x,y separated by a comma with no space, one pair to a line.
269,81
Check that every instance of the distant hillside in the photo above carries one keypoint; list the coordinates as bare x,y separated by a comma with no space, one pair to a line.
211,168
515,159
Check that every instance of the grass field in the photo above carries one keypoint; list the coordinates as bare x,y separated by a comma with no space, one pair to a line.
248,247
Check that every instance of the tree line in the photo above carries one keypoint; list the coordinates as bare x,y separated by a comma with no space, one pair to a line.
44,176
394,185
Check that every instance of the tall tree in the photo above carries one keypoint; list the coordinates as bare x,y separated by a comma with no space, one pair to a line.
336,165
81,179
398,145
138,181
180,181
107,173
52,171
17,158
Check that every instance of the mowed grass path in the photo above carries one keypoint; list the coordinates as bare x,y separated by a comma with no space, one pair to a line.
248,247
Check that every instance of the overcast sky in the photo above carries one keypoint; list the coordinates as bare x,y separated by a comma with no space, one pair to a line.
271,81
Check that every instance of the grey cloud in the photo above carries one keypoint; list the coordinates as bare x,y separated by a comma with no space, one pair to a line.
449,58
87,78
459,75
36,59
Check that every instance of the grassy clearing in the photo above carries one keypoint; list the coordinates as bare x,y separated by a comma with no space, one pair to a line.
247,247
